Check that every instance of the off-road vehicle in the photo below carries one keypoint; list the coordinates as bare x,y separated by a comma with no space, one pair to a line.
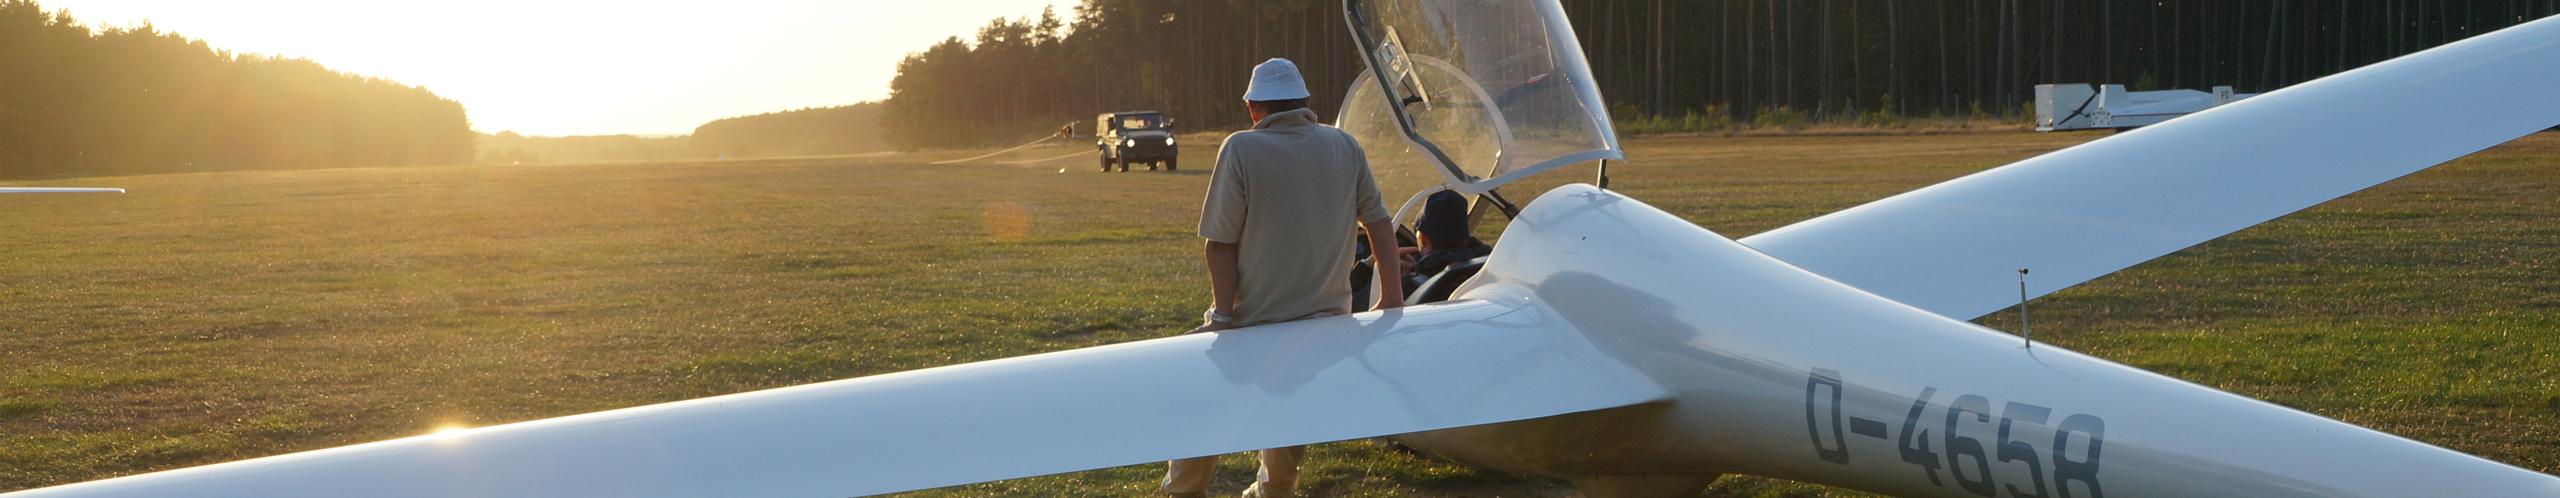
1135,137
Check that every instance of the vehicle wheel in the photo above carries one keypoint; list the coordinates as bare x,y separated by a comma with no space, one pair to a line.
1124,164
1169,164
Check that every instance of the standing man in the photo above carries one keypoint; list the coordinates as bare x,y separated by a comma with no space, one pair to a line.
1278,250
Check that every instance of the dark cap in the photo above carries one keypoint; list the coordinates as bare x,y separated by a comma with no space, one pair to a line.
1444,218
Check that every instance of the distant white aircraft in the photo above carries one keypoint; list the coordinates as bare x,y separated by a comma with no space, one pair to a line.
46,190
1608,341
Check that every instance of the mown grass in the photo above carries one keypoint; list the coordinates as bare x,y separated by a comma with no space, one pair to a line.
207,318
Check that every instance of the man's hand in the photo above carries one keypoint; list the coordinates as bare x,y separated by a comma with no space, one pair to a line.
1223,279
1210,327
1391,301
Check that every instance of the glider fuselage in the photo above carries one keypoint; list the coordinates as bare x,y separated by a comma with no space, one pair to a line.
1776,371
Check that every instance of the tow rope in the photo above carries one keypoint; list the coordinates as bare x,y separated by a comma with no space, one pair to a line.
1038,161
1002,152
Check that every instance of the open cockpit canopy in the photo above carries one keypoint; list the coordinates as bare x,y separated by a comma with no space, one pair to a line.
1483,91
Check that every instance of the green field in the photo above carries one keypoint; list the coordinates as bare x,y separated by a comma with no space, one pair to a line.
213,317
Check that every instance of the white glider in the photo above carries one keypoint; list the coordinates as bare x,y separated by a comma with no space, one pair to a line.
1616,344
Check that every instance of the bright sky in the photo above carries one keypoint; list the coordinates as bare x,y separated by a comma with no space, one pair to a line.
571,67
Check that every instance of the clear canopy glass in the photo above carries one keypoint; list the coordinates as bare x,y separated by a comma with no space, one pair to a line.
1483,91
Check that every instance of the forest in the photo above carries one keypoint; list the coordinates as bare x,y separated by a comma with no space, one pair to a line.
134,100
804,132
1727,60
814,131
507,148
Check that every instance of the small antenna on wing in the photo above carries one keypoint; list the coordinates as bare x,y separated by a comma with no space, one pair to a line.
2025,331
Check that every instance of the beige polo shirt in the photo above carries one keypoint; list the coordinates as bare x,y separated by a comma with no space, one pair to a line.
1289,194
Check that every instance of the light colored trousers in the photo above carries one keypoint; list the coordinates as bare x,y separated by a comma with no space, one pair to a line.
1190,476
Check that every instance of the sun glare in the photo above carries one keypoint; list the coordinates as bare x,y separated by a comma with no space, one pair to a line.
449,432
560,67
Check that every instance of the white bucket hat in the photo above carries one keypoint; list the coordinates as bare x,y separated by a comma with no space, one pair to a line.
1276,79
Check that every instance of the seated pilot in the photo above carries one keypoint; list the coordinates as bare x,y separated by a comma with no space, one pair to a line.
1448,239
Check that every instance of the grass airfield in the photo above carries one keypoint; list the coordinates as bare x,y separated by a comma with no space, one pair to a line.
205,318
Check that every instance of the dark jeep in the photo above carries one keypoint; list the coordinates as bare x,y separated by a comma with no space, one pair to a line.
1135,137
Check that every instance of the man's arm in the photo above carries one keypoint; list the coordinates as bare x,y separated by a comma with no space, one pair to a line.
1387,257
1389,264
1222,284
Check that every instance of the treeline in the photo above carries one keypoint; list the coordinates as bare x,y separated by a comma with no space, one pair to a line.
1959,57
1709,61
815,131
81,102
507,148
1021,78
805,132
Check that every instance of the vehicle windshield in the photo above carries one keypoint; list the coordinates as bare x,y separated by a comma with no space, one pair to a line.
1141,122
1482,92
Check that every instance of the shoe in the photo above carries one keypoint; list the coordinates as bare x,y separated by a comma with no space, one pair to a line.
1257,491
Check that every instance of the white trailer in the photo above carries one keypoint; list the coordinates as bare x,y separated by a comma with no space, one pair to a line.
2075,106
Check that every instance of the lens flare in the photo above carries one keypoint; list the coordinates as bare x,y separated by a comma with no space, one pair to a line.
1007,222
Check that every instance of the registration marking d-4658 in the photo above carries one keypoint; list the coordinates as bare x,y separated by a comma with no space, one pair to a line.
2066,468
